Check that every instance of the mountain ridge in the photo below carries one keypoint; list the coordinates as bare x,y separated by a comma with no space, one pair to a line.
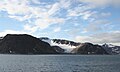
60,42
27,44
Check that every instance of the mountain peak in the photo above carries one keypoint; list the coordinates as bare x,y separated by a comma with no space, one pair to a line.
108,45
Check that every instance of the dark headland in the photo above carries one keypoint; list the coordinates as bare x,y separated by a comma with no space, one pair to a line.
24,44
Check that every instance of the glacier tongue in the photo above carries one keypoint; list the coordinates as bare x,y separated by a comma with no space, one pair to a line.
68,48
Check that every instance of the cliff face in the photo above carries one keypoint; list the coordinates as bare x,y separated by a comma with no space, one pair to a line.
24,44
88,48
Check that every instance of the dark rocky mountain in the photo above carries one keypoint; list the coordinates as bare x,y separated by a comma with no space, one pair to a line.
1,39
58,49
67,42
24,44
89,48
44,38
111,49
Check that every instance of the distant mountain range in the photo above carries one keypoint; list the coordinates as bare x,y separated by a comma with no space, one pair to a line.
82,48
27,44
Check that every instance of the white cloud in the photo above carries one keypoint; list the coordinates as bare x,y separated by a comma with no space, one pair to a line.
86,15
76,24
84,31
103,14
30,28
83,39
39,16
55,7
46,22
20,18
78,10
102,3
36,1
57,29
84,11
58,5
111,37
14,6
96,2
65,3
98,25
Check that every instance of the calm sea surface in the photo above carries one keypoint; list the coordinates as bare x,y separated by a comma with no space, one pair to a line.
59,63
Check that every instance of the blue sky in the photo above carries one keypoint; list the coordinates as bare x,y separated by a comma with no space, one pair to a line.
96,21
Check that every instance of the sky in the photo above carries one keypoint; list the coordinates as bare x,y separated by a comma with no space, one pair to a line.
96,21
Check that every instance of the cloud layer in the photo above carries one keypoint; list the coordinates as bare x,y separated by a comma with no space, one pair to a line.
86,20
111,37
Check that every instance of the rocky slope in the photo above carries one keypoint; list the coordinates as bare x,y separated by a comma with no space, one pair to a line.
24,44
58,49
89,48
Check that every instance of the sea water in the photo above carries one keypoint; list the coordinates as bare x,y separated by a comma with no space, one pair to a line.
59,63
